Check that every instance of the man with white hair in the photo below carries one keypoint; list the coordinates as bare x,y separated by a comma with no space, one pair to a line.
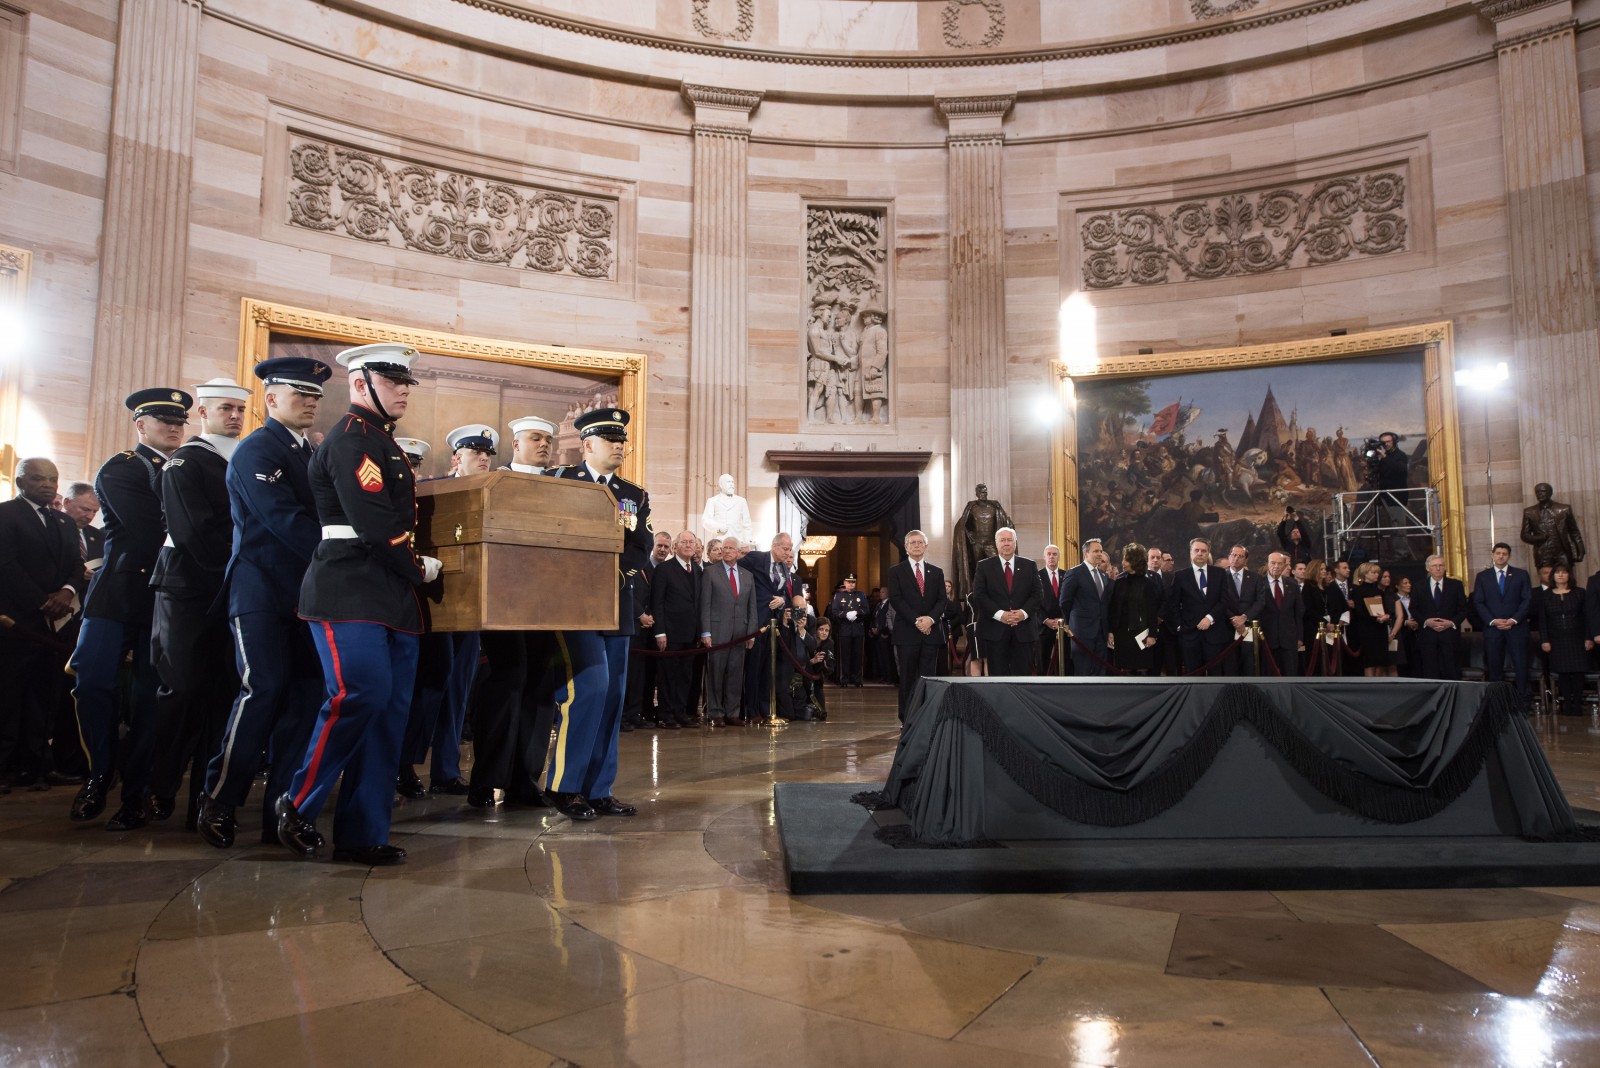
1008,607
191,646
772,573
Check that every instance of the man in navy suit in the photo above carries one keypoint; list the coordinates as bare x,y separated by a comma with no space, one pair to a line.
1200,603
916,593
1008,607
275,532
1439,605
1085,597
775,585
1250,599
675,609
1502,595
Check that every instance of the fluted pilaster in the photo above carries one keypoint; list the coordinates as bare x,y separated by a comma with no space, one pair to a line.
144,253
979,428
718,396
1556,327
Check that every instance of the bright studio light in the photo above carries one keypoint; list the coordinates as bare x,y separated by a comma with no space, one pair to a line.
1079,337
1483,376
1046,410
16,333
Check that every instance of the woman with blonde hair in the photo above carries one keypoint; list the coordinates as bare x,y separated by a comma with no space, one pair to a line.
1372,612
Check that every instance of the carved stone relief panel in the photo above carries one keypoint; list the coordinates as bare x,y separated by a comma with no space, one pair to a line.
449,213
1291,225
743,23
1216,9
847,342
960,20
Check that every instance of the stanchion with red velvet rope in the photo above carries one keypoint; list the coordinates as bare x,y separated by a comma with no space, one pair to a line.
700,650
1266,651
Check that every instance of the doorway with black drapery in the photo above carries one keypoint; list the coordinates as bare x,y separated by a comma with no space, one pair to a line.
868,518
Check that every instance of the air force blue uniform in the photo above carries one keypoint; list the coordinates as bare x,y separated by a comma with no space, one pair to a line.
275,533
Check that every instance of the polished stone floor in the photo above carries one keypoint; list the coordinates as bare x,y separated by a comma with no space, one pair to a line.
668,940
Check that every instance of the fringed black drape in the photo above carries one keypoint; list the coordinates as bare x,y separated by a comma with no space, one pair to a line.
856,505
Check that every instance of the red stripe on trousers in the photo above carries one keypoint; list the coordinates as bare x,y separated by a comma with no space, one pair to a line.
333,717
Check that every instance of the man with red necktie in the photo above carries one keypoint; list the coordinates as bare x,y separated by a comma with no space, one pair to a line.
1008,607
916,593
1051,577
1282,617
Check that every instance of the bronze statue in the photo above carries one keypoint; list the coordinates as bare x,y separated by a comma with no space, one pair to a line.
1551,529
974,537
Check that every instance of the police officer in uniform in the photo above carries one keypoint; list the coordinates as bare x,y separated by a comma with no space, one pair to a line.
447,664
192,649
595,663
516,707
360,598
848,610
275,531
118,608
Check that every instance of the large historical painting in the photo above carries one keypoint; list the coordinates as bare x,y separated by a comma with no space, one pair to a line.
1223,454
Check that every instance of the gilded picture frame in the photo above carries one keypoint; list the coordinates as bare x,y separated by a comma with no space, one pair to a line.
260,321
1435,340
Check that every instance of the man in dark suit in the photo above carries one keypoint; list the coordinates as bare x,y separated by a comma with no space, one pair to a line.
1200,602
69,765
1085,597
1250,597
1051,576
1008,608
675,607
275,533
1502,595
916,593
1439,605
191,645
772,572
1282,617
39,562
727,611
117,611
641,705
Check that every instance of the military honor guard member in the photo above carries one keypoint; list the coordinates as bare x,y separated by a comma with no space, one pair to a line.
848,610
118,609
416,451
595,663
360,599
275,532
192,649
516,707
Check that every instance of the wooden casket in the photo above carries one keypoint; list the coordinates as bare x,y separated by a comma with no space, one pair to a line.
519,552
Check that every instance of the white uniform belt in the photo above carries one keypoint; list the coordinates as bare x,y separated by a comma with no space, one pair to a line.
338,532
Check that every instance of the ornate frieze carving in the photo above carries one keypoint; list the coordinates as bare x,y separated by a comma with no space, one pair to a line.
744,20
847,342
1497,10
394,202
956,37
721,99
1216,9
1307,224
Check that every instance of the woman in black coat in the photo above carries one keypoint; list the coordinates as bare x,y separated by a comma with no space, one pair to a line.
1135,604
1564,638
1316,610
1371,619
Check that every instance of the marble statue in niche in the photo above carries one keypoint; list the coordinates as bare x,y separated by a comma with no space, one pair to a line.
847,343
727,514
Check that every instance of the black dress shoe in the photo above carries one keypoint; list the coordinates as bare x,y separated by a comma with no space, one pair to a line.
735,721
610,806
667,725
375,856
481,796
127,818
56,778
409,784
160,808
456,787
572,806
294,830
90,802
627,727
216,824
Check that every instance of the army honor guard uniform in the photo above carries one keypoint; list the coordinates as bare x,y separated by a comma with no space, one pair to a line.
191,647
595,663
275,532
116,618
359,598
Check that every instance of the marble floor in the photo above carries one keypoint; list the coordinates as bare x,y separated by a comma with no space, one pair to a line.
668,939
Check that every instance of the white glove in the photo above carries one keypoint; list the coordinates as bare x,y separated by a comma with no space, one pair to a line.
430,568
851,615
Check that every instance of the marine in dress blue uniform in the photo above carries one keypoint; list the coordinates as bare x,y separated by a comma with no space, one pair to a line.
360,600
118,608
275,532
595,663
190,646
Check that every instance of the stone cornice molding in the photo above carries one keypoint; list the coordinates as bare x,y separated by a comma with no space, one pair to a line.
975,107
813,59
712,97
1554,29
722,130
1500,10
966,139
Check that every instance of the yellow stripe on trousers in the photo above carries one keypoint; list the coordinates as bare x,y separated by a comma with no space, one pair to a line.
565,711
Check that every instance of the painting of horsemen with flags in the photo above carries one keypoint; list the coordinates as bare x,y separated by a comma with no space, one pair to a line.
1222,454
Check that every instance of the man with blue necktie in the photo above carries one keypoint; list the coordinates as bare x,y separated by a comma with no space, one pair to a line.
775,586
1502,595
1201,604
